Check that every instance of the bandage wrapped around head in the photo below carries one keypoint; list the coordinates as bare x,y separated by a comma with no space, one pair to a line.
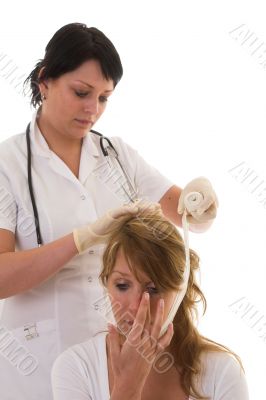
151,244
191,202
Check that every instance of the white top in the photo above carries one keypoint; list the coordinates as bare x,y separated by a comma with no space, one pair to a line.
63,310
81,373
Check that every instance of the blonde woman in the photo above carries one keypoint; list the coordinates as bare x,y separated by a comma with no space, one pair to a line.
143,266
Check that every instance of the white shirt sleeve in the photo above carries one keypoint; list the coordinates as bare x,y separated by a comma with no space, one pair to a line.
68,379
223,378
8,206
232,383
80,372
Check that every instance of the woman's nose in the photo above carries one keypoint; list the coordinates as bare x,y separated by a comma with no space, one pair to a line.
92,106
134,302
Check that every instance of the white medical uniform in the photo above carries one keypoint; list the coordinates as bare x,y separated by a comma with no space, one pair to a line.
81,373
39,324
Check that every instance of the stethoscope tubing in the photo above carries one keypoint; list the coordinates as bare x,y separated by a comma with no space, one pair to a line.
105,153
35,210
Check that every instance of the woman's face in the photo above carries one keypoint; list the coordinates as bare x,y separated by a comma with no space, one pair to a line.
76,100
125,293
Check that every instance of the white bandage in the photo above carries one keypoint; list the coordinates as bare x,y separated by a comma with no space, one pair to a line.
192,201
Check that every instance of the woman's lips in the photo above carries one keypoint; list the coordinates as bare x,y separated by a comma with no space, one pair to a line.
127,322
84,122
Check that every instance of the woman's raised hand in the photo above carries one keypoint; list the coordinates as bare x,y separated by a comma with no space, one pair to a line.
132,362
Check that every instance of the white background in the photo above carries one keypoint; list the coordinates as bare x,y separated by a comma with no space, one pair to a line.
192,101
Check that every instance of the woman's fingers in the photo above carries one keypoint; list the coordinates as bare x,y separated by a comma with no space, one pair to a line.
144,336
138,326
114,344
158,320
150,336
147,324
165,340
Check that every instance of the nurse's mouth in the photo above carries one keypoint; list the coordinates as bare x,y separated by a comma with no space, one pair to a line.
84,122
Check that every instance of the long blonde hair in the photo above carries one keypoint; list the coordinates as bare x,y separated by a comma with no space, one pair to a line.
153,244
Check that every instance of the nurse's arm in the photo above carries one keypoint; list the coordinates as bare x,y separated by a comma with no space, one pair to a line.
24,270
169,203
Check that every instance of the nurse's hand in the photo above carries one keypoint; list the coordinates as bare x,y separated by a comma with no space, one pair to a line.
132,361
207,208
99,231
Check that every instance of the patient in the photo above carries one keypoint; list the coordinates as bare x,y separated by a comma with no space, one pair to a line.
143,265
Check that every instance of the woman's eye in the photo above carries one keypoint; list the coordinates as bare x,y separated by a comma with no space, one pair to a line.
81,94
122,286
152,290
103,99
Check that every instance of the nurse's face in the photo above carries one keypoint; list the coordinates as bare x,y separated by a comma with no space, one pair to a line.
76,100
125,293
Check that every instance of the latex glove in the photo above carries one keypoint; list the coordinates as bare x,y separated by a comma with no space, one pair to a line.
98,232
207,209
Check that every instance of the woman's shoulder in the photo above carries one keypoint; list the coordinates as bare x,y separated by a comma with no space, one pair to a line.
83,356
118,142
81,371
13,145
215,363
14,139
222,373
218,358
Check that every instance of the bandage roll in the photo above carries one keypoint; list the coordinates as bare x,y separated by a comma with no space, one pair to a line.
192,201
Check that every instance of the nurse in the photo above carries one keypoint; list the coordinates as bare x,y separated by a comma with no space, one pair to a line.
51,292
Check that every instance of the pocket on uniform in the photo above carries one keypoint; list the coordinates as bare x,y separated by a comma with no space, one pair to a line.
27,354
40,339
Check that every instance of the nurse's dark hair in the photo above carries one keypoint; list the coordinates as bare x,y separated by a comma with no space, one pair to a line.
71,46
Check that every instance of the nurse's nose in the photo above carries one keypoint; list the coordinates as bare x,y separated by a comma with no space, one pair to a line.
92,106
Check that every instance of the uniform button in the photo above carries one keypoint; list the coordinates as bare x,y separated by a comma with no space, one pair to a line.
90,279
96,306
83,197
91,251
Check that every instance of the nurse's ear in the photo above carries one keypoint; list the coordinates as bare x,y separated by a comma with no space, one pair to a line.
43,87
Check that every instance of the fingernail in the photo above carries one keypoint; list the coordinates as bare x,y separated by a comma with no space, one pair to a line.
146,296
110,327
171,326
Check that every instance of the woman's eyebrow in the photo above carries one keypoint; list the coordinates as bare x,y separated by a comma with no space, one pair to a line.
121,273
146,282
92,87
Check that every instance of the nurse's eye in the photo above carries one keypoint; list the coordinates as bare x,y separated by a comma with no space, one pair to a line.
81,94
103,99
122,286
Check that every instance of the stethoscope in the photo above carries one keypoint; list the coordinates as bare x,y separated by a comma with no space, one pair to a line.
112,157
192,201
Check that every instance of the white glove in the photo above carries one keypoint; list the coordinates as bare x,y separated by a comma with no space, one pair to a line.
99,231
206,209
